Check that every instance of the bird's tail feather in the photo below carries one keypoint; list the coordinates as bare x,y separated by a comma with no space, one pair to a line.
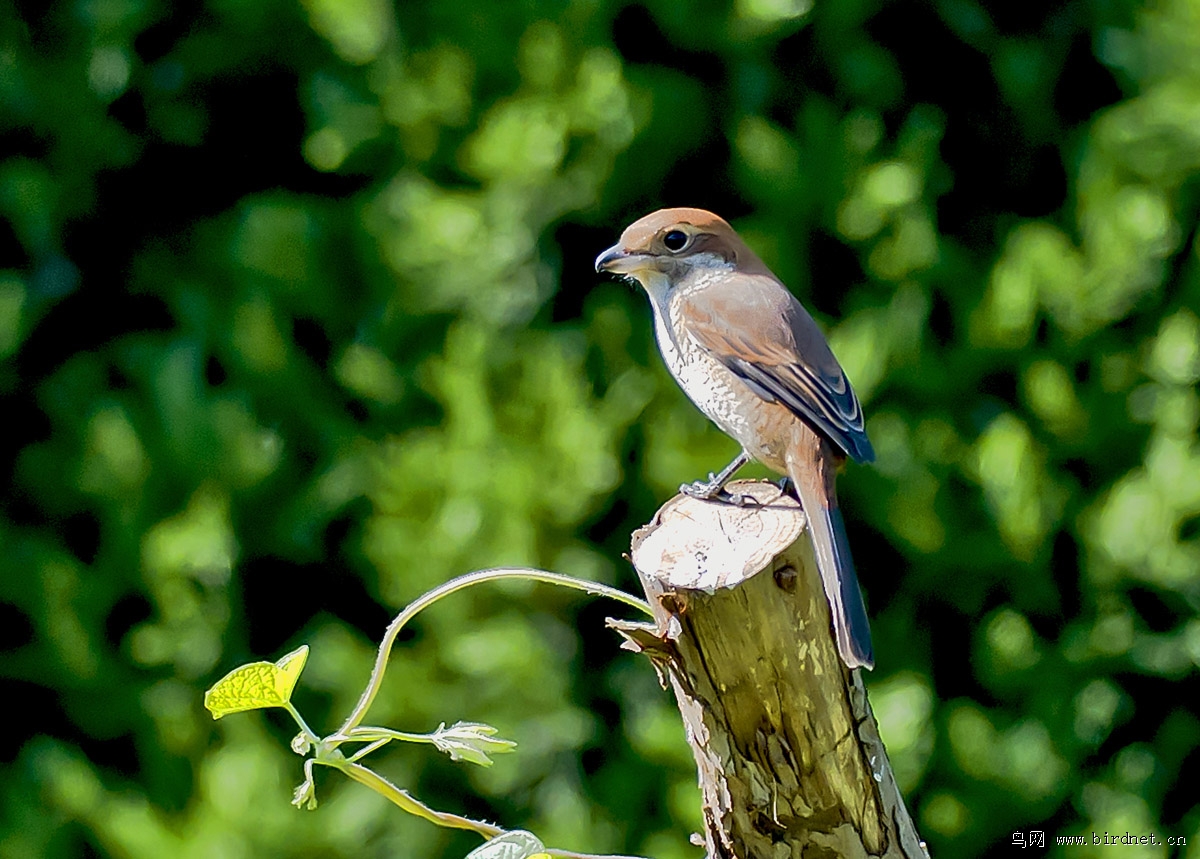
851,628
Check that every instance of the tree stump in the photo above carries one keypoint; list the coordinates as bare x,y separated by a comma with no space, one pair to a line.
788,752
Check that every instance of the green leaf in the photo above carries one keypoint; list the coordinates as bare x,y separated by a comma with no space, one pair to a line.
517,844
256,685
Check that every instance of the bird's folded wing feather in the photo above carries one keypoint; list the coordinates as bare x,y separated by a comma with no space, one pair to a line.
757,329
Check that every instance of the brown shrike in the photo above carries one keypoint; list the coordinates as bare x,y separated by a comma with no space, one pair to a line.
753,360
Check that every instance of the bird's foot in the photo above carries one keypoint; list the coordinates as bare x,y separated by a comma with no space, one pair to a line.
714,490
704,490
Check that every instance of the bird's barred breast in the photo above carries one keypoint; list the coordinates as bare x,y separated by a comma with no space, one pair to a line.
724,398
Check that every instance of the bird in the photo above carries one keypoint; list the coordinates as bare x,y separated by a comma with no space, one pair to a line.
754,361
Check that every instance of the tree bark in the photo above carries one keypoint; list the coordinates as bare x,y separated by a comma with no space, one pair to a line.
788,752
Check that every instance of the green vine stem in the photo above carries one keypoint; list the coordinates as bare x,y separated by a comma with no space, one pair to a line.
454,586
406,801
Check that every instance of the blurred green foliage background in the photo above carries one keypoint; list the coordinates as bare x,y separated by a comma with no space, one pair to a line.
298,320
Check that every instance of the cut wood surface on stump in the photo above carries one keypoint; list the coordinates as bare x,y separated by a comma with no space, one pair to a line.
788,752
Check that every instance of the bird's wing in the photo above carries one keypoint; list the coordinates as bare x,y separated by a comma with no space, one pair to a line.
759,331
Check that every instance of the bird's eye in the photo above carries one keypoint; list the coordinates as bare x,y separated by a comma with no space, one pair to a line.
675,240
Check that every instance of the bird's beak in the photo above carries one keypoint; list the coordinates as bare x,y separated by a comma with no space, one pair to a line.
620,261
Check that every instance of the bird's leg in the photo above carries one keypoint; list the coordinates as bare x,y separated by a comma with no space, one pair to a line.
714,487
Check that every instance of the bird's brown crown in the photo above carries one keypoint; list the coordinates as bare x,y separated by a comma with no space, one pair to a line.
658,235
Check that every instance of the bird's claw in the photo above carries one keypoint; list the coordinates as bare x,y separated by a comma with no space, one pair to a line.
703,490
710,490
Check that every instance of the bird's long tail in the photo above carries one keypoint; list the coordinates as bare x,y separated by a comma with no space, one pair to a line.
851,628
